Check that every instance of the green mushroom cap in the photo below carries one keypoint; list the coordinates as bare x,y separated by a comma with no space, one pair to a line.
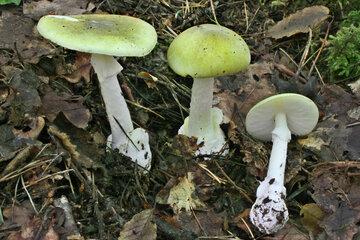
114,35
208,50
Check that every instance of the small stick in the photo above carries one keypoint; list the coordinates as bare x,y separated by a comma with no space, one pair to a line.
246,17
213,11
28,194
282,68
252,19
321,48
248,228
304,55
211,174
198,222
242,191
353,124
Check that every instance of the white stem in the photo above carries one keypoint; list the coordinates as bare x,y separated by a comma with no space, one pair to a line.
107,68
281,135
200,105
269,212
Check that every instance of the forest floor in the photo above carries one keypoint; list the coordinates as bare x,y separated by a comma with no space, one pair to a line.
57,181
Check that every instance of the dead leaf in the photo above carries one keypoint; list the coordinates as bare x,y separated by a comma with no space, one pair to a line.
51,235
256,157
313,142
342,224
149,79
36,125
71,106
25,100
289,232
332,138
8,143
19,214
24,216
337,193
141,226
37,9
311,216
203,223
299,22
16,35
236,95
80,69
180,194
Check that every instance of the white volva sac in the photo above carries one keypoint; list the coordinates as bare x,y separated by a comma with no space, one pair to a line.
275,118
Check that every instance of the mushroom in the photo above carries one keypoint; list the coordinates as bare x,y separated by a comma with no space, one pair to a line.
275,118
106,36
204,52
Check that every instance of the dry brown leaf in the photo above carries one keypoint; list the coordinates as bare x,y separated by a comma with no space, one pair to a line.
332,138
203,223
71,106
238,94
37,9
299,22
36,125
180,194
81,68
289,232
16,34
149,79
24,216
25,99
141,226
8,148
51,235
338,195
256,157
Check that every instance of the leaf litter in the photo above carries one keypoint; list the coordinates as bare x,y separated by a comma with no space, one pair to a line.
22,44
37,9
71,106
336,191
141,226
299,22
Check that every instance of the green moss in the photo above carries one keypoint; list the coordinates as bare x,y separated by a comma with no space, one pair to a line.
352,19
344,51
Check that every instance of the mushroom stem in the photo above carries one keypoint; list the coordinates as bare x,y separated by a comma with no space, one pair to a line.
200,105
281,135
269,212
107,68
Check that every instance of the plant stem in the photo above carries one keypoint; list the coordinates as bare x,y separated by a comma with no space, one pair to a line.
107,68
201,103
281,135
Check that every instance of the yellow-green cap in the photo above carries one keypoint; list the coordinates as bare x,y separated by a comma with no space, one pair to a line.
208,50
114,35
